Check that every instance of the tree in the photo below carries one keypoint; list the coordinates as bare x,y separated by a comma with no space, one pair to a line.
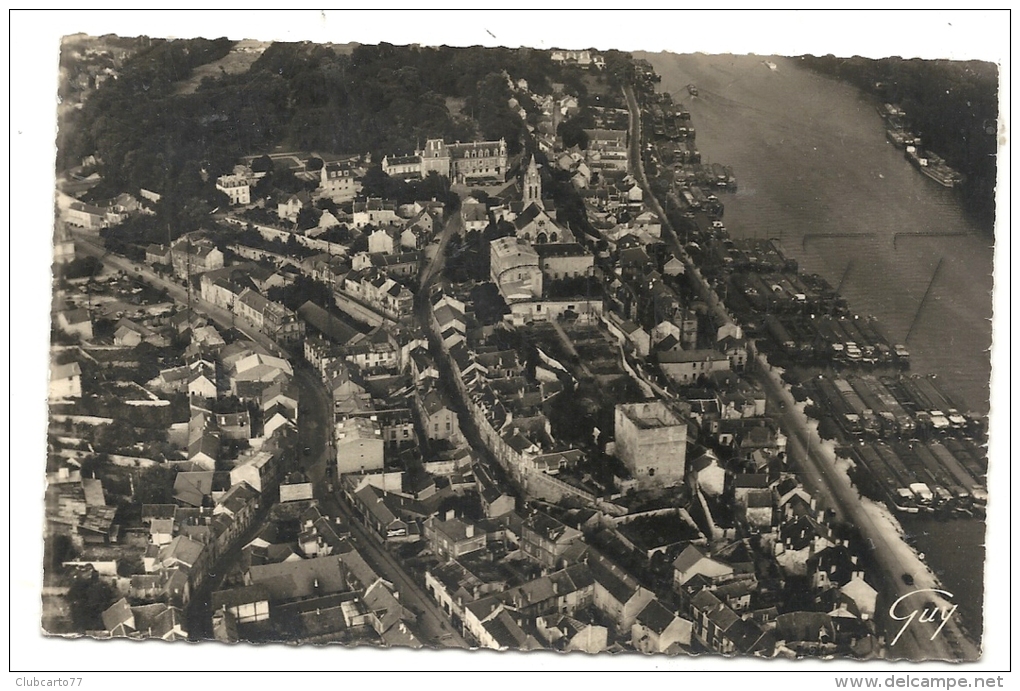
155,485
82,267
572,133
88,599
308,217
262,164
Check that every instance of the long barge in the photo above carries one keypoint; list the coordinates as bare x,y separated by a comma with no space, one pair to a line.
896,493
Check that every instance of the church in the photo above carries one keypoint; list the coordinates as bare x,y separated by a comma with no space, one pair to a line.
534,218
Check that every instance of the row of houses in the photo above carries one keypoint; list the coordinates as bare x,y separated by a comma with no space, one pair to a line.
581,600
105,214
315,589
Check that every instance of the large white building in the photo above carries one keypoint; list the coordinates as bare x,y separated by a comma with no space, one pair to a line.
236,187
337,181
515,269
460,162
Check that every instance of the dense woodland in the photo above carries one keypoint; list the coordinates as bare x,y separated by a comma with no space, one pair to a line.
298,96
952,105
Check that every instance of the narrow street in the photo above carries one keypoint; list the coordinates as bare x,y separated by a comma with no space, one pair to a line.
314,433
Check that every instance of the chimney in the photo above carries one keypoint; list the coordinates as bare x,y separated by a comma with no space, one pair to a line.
450,514
470,530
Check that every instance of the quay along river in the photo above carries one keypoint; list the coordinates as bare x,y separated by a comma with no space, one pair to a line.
814,169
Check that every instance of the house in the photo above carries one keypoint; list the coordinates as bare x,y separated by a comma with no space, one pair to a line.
453,586
799,540
156,621
657,630
415,237
289,581
545,540
755,508
375,212
236,187
65,381
694,561
248,604
673,267
359,446
204,450
402,167
490,624
475,214
384,239
128,333
707,473
194,256
453,538
617,594
391,621
157,254
283,394
380,517
397,264
289,208
566,634
86,216
202,382
651,440
634,335
719,629
833,567
861,593
807,631
566,591
200,488
496,499
685,366
260,470
438,419
77,322
239,503
564,260
337,181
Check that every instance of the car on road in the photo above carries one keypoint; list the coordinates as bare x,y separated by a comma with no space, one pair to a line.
308,450
908,579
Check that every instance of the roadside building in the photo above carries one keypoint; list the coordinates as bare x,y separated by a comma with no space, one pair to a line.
359,446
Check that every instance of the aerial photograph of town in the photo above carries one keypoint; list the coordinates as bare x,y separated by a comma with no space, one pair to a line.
421,346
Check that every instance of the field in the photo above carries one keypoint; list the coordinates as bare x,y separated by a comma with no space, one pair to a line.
238,60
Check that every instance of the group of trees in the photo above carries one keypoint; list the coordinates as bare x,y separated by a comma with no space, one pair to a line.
380,99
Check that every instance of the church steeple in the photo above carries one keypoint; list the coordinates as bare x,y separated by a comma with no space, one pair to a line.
532,187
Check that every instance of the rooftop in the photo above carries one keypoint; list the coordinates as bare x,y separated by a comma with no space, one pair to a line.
650,414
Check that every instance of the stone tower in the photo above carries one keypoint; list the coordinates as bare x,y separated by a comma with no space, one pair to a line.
532,187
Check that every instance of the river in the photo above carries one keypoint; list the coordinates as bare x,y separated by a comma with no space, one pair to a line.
811,158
